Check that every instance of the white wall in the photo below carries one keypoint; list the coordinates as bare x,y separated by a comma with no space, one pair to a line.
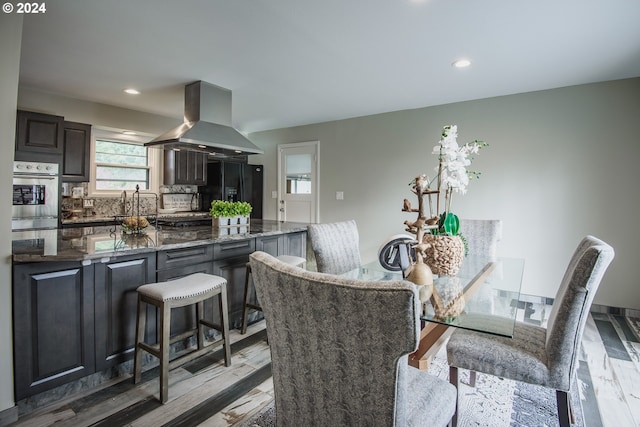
10,41
561,164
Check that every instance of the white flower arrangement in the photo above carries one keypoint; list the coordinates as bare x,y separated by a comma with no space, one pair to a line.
452,174
452,169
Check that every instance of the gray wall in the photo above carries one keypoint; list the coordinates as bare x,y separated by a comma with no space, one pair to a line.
10,41
561,164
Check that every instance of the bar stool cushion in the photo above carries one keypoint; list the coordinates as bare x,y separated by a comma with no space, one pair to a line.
185,287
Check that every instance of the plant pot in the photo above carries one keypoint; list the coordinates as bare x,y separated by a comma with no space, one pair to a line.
445,254
230,225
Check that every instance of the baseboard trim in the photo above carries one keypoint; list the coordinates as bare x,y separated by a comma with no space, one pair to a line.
9,416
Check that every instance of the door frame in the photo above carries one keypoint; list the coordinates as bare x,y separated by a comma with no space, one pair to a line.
316,189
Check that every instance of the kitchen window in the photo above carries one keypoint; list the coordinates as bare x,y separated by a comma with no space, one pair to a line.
120,162
121,166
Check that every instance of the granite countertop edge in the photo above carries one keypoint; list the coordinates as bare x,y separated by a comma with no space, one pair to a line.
159,240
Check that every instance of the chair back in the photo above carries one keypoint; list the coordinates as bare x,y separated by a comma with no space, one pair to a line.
338,346
482,235
336,246
571,308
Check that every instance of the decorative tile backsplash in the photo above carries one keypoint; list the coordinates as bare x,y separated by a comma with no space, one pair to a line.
178,196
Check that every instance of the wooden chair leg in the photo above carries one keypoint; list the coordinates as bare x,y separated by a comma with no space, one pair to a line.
141,321
564,408
165,341
453,379
245,309
199,317
224,320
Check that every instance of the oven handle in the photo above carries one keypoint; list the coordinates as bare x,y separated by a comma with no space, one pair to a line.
15,175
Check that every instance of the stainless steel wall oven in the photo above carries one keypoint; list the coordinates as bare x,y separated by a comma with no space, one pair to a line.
35,196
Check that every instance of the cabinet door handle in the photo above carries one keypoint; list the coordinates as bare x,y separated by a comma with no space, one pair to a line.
226,246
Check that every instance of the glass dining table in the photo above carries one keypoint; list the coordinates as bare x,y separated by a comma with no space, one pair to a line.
483,296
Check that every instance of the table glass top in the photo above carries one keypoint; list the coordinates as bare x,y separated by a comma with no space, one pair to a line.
483,296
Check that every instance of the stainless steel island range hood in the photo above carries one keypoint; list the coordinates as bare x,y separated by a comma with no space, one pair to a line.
207,124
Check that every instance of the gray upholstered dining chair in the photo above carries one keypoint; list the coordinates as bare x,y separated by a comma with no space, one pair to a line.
482,235
336,246
339,350
537,355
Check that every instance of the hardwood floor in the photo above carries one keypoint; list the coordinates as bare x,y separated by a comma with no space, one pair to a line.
206,393
203,392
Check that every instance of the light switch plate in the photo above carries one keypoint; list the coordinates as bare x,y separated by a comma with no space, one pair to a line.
274,194
339,195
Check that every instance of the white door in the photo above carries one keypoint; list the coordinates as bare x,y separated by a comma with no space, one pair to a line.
298,182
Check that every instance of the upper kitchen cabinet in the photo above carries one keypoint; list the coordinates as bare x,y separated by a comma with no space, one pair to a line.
38,136
76,152
185,167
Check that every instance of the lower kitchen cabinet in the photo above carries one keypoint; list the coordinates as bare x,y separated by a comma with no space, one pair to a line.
116,302
273,245
72,319
295,244
234,270
53,325
230,262
176,263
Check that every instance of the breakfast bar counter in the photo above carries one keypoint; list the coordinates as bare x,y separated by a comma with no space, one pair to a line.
87,243
74,290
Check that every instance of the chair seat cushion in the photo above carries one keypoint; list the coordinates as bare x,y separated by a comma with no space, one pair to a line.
430,400
521,358
184,287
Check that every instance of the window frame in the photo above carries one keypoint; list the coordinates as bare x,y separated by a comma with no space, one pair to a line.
153,160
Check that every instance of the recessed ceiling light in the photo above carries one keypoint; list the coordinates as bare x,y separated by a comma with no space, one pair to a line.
132,91
128,132
461,63
238,151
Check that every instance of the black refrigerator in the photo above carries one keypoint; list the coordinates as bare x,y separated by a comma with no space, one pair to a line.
233,181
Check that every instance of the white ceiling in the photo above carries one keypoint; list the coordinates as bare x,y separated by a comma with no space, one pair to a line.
292,62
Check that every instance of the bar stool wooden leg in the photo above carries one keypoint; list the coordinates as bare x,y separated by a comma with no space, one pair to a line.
165,342
222,298
199,316
245,308
141,322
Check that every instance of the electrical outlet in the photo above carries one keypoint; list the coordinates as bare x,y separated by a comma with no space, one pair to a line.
339,195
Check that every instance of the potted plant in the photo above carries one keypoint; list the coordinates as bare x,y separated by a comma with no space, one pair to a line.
443,246
230,214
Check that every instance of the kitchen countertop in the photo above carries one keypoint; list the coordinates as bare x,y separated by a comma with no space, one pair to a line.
88,243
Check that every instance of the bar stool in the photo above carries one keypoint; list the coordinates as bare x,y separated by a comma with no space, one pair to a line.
192,289
289,259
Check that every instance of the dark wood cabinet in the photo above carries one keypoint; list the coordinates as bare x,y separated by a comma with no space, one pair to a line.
116,307
72,319
76,156
53,312
295,244
38,134
273,245
234,270
185,167
177,263
230,261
